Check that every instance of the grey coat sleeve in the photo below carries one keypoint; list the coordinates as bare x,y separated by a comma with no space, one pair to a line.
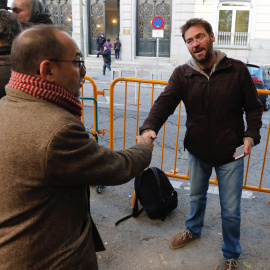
74,158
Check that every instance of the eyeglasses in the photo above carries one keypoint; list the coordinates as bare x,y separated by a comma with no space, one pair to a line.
199,39
79,62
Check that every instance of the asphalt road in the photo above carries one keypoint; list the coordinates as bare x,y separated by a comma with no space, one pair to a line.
143,243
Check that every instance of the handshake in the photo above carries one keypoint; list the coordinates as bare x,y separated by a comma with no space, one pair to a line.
147,137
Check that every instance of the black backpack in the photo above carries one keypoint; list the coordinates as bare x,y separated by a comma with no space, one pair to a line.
117,46
155,193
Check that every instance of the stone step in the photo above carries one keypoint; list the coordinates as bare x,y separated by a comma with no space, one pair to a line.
141,64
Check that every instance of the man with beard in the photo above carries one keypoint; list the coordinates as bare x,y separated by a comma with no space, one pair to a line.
48,160
215,90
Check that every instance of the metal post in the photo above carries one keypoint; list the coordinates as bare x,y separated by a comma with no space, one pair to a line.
59,12
157,58
81,28
135,88
136,75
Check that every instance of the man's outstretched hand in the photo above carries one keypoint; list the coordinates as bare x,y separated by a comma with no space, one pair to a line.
147,141
150,134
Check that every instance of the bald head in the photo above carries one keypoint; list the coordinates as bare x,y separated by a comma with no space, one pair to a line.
22,10
34,45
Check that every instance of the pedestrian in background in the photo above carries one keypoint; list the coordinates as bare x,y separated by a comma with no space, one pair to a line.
31,12
106,58
10,27
216,90
116,47
108,44
100,41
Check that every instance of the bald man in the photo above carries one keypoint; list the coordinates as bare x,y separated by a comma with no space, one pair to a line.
48,160
30,12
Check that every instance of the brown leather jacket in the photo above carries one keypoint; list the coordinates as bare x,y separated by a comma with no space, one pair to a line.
214,106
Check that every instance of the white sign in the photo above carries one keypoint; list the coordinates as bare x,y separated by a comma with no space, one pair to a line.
157,33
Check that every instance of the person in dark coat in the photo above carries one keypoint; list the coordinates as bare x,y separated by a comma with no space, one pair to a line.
116,47
216,91
106,58
31,12
10,27
100,42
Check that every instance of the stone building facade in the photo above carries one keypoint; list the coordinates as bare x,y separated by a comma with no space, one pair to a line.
241,27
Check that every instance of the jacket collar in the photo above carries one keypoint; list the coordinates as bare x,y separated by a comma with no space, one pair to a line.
219,64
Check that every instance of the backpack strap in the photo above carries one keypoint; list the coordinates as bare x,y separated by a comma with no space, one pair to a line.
155,171
135,212
137,183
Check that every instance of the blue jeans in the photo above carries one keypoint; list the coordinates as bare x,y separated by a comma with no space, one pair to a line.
108,65
230,184
116,54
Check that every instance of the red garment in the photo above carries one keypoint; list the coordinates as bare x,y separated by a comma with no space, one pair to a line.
44,90
117,41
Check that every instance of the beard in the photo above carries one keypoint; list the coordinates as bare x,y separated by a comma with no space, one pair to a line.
208,54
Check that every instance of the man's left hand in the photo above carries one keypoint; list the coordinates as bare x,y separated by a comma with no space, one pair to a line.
247,147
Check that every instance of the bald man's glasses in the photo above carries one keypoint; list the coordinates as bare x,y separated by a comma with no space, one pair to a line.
80,63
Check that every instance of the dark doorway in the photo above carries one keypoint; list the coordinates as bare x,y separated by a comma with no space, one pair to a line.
103,18
146,11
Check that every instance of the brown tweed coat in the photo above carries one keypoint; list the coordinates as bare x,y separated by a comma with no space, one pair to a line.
47,164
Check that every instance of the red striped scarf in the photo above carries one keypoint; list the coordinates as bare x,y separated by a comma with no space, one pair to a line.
44,90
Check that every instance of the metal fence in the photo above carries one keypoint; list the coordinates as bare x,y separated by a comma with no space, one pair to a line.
230,39
174,137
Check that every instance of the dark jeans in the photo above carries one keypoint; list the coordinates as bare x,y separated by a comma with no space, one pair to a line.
99,48
117,54
106,65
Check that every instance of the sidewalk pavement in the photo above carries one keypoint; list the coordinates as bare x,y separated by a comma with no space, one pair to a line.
142,244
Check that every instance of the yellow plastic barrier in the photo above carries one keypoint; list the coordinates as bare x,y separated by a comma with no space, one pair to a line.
174,173
153,84
95,96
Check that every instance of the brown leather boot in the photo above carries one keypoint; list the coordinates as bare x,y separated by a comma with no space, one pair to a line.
181,239
230,264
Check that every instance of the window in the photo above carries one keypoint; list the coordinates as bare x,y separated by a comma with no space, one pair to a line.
233,25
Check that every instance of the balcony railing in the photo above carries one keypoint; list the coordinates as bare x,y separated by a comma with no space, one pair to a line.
230,39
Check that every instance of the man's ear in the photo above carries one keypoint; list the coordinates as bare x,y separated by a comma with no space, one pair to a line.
212,36
46,71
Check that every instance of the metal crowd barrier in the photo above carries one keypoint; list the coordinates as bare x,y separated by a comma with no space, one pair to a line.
174,173
95,131
151,86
